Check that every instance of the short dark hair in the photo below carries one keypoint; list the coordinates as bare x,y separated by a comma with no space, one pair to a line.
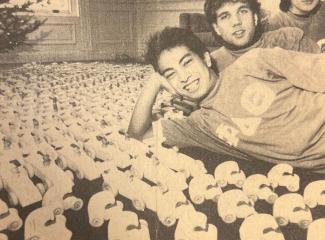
169,38
285,5
211,7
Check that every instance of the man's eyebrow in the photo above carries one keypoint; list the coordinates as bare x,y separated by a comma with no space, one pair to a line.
180,61
243,6
222,13
166,70
185,56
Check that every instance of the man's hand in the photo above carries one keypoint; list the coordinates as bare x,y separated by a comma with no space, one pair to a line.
156,78
184,105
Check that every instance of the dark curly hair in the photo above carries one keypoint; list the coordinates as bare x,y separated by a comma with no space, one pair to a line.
211,7
285,5
171,37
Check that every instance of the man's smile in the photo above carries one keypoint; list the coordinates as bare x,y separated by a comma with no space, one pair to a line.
192,86
239,33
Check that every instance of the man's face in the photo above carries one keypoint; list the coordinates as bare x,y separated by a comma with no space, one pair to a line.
303,6
235,23
186,72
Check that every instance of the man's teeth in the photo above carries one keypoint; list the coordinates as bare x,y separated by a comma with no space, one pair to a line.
239,33
192,86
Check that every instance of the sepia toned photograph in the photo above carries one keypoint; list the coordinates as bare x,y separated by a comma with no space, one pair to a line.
162,119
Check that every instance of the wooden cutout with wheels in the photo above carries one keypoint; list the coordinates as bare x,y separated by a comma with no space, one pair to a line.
60,200
98,206
314,193
14,178
282,175
127,226
257,186
76,159
229,173
42,223
291,208
234,204
159,174
260,226
9,218
204,187
193,226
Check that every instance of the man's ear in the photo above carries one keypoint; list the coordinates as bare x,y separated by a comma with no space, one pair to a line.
255,19
207,59
215,28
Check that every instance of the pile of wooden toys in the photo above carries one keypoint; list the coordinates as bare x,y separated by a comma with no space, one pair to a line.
59,121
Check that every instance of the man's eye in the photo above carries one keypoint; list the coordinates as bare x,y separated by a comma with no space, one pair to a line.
170,75
243,11
223,16
187,61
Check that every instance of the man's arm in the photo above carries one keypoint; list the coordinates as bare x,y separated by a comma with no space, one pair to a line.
308,45
141,119
303,70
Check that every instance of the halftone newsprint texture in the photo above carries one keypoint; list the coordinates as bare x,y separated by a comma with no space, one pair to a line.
68,169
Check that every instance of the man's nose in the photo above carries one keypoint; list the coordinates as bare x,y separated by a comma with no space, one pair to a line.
185,77
236,20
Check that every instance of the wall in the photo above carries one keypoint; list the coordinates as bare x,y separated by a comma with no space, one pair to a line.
62,37
152,15
88,30
102,29
112,25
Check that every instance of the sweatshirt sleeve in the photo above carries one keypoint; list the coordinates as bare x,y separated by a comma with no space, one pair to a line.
308,45
290,38
303,70
187,132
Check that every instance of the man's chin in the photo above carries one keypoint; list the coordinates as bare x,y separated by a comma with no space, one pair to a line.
236,45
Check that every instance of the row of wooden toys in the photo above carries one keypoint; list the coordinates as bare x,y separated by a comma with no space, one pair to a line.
71,136
280,170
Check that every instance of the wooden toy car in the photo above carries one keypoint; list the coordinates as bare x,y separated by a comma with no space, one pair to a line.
124,143
78,161
194,226
42,223
204,187
98,206
229,173
159,174
171,206
314,193
257,186
127,226
316,230
260,226
99,147
9,218
178,161
291,208
282,175
3,236
140,193
15,180
234,204
59,200
50,173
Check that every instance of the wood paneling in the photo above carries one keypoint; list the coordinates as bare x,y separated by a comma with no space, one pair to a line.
113,27
101,29
152,16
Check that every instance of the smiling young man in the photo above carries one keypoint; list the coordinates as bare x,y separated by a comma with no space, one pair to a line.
307,15
267,106
237,26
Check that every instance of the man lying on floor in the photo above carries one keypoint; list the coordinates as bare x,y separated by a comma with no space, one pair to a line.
268,105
